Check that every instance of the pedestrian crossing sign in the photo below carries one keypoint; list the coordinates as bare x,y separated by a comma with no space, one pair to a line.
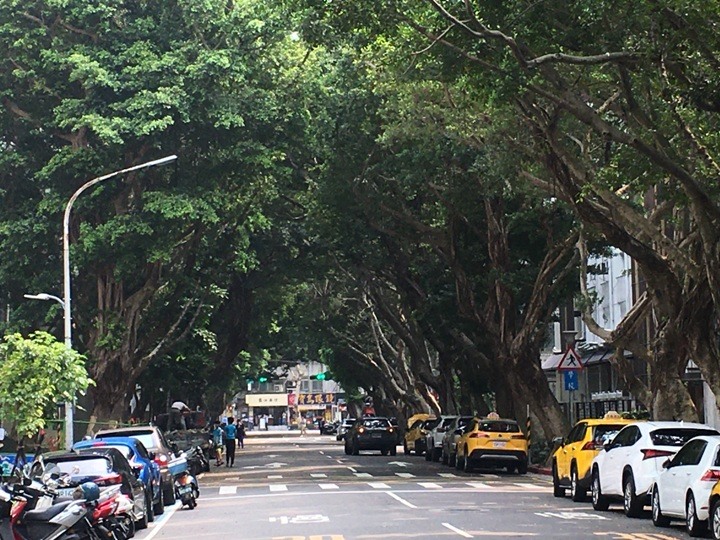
570,361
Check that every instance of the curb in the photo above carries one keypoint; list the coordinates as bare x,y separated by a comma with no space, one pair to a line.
540,470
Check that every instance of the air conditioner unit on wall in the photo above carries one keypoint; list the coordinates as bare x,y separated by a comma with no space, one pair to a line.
278,388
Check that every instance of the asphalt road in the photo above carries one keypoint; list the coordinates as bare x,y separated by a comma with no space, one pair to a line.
294,488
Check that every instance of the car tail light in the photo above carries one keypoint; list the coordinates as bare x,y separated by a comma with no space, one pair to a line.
109,480
653,453
591,445
479,435
161,459
711,475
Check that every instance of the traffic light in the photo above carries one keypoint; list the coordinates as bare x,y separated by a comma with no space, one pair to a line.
320,376
325,375
262,378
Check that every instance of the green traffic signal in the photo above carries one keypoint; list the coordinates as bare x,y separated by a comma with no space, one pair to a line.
262,378
320,376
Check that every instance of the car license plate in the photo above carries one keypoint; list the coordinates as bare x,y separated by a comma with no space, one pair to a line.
499,444
377,435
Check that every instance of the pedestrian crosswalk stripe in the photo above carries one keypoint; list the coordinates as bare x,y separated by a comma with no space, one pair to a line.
478,485
227,490
378,485
363,475
278,487
429,485
318,475
328,486
447,475
527,485
274,476
404,475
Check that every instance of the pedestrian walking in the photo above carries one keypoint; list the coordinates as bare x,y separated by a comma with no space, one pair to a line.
217,436
303,425
241,433
230,435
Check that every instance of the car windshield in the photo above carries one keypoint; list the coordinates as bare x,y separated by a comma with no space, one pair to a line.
464,421
430,424
146,438
348,422
498,426
677,436
446,422
97,466
376,423
605,433
124,450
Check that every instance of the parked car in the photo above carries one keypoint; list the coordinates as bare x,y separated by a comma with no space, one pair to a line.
450,439
414,440
141,461
154,440
371,433
572,460
103,466
628,466
330,428
344,427
492,442
433,438
682,490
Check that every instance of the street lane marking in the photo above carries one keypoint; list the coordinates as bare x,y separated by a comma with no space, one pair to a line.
378,485
278,487
478,485
527,485
318,475
162,520
352,469
430,485
447,475
583,516
329,486
404,475
457,531
363,475
274,476
400,500
227,490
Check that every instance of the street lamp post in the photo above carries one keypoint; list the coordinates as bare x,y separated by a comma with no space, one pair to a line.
65,301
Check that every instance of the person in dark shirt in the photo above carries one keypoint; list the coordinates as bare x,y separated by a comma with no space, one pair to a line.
230,435
241,433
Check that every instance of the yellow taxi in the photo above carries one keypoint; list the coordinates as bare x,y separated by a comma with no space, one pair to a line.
571,461
714,521
492,442
414,440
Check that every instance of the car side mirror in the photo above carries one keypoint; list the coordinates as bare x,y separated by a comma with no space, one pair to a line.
608,446
667,464
137,469
151,456
558,441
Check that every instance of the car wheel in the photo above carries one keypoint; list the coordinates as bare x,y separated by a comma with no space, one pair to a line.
444,458
577,493
384,451
459,463
435,455
511,468
159,507
715,519
522,467
632,504
145,520
355,450
428,453
657,517
693,525
393,451
468,464
599,501
452,460
169,494
406,451
558,490
347,449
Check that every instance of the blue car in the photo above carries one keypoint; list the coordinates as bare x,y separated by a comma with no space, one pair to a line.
142,462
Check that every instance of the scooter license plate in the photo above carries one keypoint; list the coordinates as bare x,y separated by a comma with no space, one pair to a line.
182,490
65,492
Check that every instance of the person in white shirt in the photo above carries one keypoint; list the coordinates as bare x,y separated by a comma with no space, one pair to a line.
177,415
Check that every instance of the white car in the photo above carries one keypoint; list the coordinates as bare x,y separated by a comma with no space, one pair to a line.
628,466
343,428
434,438
682,489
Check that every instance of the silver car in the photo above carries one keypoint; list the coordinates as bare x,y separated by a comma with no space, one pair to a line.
448,453
434,437
344,427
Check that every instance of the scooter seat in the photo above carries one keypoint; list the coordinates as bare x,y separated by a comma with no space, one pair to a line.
46,514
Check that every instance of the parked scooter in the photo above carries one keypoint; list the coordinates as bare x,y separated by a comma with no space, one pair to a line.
67,520
186,487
